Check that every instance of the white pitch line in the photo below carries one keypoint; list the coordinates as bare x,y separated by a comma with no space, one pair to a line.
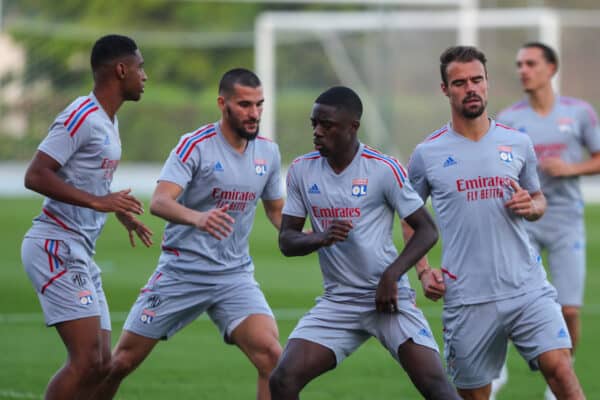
281,314
13,394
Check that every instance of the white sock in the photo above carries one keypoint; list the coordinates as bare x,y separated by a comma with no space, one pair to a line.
499,382
548,395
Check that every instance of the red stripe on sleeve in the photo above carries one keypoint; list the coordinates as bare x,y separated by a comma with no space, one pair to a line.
88,112
75,111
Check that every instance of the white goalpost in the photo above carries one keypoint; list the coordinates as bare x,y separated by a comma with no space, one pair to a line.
327,28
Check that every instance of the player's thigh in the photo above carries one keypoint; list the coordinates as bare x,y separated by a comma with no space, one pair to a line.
235,301
166,305
395,329
334,325
302,361
96,275
538,325
566,261
60,273
475,344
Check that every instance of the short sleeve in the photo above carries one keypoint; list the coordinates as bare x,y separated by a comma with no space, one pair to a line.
590,129
399,192
273,189
528,177
61,145
417,174
294,205
181,164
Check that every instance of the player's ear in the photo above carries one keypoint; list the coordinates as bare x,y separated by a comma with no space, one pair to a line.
444,88
221,102
120,70
356,124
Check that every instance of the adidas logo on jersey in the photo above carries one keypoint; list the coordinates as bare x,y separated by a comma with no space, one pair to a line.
218,167
449,161
314,189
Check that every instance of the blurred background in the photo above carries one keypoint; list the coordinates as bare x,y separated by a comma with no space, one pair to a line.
387,50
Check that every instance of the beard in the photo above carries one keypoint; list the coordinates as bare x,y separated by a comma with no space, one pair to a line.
473,113
238,126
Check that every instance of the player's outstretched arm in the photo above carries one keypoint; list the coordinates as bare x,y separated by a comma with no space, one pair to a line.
42,177
273,210
425,235
294,242
164,204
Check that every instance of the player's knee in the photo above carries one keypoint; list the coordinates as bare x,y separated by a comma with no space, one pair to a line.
122,364
436,386
93,367
282,381
561,370
266,359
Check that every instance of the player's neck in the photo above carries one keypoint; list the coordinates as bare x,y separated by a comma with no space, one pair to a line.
109,99
473,129
339,162
542,100
237,142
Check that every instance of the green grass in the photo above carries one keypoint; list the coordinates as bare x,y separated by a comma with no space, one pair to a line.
196,364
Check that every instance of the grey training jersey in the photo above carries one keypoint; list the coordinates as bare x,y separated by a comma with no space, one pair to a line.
486,254
212,174
565,132
86,143
367,192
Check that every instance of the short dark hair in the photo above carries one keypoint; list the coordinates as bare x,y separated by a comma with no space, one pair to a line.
238,76
110,47
547,51
342,97
461,54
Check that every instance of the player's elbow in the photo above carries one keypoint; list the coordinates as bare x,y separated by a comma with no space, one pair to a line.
156,206
32,180
285,245
284,248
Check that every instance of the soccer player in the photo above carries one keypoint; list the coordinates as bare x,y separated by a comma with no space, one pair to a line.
351,193
481,176
208,191
73,168
560,128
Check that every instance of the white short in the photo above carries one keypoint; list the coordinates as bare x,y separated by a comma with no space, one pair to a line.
343,326
167,304
66,279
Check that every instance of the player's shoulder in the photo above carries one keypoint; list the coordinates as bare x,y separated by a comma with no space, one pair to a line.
513,108
580,106
573,102
434,139
385,162
307,158
264,142
372,153
79,115
509,135
195,139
